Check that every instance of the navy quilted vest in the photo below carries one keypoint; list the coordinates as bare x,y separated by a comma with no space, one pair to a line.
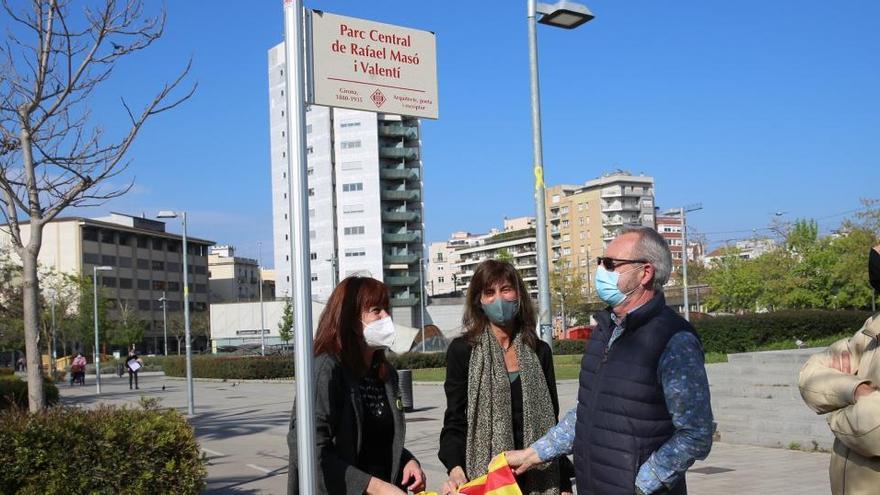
621,411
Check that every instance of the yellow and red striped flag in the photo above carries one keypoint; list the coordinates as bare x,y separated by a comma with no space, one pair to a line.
498,481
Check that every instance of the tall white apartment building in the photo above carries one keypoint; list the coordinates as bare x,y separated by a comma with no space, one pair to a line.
365,197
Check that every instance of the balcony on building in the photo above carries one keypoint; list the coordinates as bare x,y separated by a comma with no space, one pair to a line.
401,280
398,130
401,195
400,259
399,173
399,152
400,216
405,237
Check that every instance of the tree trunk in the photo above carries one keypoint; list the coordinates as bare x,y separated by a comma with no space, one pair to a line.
32,329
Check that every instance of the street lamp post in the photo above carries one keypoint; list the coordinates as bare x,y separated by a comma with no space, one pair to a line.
262,313
422,300
186,330
567,15
684,255
95,271
164,302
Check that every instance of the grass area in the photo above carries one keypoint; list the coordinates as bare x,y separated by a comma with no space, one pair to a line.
716,357
429,375
789,344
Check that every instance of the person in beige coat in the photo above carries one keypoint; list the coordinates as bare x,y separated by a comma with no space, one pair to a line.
843,381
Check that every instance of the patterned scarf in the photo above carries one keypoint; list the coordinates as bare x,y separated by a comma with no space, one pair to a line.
490,430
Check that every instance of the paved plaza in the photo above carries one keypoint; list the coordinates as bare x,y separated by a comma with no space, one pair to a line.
242,428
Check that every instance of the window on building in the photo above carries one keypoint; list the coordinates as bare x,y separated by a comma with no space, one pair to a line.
201,269
143,284
314,277
313,256
108,260
158,265
351,165
346,124
201,288
440,280
357,230
308,126
355,208
108,281
310,150
124,262
563,210
353,186
311,191
355,252
349,145
90,234
172,266
159,285
566,237
124,239
91,258
555,199
107,236
143,241
310,171
173,286
143,264
144,304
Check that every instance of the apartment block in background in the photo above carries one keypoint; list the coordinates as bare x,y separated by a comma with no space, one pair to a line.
232,278
583,219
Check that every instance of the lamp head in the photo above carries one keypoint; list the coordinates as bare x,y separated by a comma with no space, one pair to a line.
166,214
564,14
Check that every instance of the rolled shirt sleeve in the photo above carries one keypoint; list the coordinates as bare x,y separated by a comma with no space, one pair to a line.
682,373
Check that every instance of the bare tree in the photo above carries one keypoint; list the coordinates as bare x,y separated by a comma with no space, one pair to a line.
52,155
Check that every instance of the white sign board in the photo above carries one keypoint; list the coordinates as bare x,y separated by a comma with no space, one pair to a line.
366,65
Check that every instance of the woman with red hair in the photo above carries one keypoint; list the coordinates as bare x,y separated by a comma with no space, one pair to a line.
359,420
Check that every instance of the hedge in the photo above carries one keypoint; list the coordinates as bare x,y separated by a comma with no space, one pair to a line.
14,393
743,333
104,450
418,360
565,347
231,367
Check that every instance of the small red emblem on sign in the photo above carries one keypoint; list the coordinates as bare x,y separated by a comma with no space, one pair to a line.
378,98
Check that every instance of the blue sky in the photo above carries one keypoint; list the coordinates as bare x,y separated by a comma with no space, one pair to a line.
749,107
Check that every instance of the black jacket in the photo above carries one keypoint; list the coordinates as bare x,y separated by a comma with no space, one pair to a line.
338,412
454,433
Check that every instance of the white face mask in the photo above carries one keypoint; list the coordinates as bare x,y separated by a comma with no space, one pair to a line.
380,334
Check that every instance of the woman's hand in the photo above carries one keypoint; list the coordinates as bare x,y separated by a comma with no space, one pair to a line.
379,487
456,479
413,476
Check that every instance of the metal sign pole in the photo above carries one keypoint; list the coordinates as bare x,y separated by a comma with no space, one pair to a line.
300,268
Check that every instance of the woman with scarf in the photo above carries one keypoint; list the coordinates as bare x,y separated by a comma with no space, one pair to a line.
500,384
359,423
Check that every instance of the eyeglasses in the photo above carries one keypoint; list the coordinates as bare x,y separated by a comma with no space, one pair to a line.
611,264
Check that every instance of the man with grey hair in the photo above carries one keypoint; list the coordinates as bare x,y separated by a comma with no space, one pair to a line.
643,414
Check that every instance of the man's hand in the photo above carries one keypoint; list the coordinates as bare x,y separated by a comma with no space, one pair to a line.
862,390
522,460
841,363
456,479
413,476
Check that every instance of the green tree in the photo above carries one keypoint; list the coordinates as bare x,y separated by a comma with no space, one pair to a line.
504,255
570,288
285,326
127,328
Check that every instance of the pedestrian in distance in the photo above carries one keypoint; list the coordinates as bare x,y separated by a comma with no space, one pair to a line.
842,381
359,421
643,415
78,369
500,384
133,364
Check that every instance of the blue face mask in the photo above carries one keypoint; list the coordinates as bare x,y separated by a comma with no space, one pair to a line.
607,289
501,311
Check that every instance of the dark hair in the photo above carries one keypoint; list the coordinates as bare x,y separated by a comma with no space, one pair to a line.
475,321
340,331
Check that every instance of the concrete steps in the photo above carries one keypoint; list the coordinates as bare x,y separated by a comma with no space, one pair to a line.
755,400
